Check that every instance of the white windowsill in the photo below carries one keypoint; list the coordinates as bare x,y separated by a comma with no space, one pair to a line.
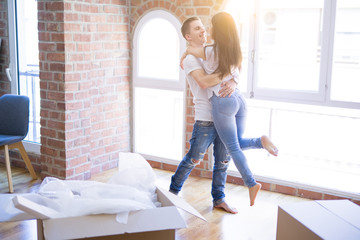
32,147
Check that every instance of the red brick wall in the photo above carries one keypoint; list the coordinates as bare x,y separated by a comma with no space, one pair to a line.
84,81
4,51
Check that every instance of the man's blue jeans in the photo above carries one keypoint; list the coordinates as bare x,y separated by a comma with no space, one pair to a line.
229,116
204,133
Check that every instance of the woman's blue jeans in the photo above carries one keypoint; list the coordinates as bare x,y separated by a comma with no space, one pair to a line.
204,133
229,116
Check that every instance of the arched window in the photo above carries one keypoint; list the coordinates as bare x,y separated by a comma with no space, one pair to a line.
158,87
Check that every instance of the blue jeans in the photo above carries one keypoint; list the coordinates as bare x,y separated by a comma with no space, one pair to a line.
204,133
229,116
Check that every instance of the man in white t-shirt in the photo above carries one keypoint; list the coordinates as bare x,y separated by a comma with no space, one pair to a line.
204,132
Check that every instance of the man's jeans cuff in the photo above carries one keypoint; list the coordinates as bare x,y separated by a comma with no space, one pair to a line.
174,191
219,201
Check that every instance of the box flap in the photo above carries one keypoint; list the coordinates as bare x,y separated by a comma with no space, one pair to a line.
321,221
37,210
345,209
155,219
8,212
168,198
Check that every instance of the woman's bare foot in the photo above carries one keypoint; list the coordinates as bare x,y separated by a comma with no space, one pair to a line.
227,208
268,145
253,191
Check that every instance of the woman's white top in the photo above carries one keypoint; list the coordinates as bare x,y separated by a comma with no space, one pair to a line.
210,65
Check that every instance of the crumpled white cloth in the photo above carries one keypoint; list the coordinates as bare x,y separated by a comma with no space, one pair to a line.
76,198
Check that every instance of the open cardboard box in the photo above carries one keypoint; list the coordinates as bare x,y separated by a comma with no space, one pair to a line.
326,219
157,223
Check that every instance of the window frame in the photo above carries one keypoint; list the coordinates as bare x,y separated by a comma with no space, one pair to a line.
13,68
322,96
155,83
146,82
13,65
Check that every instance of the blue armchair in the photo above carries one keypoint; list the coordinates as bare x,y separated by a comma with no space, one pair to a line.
14,124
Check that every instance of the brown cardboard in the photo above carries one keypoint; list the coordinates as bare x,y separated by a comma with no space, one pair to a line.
165,234
330,219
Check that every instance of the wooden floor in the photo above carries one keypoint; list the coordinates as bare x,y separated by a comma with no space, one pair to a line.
257,222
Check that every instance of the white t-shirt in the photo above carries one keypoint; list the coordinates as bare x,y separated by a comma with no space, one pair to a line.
201,100
210,65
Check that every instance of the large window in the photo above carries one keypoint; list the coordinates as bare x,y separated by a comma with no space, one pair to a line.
303,82
24,62
159,87
345,81
300,51
288,41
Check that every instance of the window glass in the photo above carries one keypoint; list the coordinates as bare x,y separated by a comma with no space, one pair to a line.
311,150
159,118
241,11
311,143
28,62
158,93
159,50
345,83
288,50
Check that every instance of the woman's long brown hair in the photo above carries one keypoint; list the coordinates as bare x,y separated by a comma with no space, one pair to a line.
226,43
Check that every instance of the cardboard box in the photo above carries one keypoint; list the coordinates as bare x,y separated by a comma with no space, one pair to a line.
328,219
157,223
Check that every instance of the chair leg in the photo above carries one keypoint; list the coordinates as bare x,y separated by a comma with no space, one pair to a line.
8,168
24,155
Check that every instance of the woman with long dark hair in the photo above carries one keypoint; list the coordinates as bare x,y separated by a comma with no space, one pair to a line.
229,113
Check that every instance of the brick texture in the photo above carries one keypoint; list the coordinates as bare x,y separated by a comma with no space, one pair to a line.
84,74
4,51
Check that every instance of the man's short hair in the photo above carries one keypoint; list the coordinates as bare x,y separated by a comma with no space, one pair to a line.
185,28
